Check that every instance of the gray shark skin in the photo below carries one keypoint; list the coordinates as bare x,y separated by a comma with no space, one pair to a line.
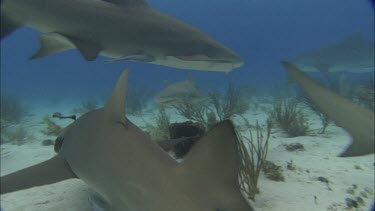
353,54
358,121
119,29
131,172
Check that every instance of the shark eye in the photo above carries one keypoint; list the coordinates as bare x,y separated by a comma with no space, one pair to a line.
58,144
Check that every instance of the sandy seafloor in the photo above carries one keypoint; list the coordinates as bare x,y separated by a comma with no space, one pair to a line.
294,194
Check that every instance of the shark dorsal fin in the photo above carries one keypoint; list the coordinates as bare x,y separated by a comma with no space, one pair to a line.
354,40
128,2
215,159
115,106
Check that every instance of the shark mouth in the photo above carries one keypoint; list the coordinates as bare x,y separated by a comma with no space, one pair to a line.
202,58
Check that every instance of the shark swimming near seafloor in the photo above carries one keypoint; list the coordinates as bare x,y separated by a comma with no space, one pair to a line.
178,91
353,54
130,172
118,29
358,121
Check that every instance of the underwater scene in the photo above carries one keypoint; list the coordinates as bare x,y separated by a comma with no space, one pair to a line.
155,105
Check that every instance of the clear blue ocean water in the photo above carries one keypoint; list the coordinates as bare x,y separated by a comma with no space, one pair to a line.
262,32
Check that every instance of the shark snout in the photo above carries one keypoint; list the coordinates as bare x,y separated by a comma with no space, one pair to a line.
222,54
236,60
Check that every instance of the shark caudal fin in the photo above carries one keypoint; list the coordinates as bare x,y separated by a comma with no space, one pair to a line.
214,161
51,171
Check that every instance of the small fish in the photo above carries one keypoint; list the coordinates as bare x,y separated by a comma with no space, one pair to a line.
60,116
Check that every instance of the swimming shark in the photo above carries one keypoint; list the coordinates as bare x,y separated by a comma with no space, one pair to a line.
130,172
178,91
353,54
119,29
358,121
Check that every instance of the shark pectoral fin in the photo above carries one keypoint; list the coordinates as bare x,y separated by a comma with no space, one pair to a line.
354,40
51,171
51,43
88,50
7,27
115,106
215,158
98,203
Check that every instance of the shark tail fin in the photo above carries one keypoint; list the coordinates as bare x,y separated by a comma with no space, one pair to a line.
51,171
7,26
215,160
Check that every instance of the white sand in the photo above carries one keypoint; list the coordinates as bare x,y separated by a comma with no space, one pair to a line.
294,194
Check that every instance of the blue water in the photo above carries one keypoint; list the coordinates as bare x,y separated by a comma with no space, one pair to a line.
262,32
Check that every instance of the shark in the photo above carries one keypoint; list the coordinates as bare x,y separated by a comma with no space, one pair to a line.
118,29
176,92
353,54
129,171
357,121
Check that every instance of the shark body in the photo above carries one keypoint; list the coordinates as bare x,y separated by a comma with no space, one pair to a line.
358,121
119,29
353,54
178,91
131,172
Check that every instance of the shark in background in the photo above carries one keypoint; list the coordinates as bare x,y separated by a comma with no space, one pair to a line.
180,90
353,54
131,172
358,121
118,29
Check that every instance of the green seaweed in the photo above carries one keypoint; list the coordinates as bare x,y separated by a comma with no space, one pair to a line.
290,118
52,129
216,106
86,106
273,171
253,153
161,130
17,135
136,100
231,103
13,111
